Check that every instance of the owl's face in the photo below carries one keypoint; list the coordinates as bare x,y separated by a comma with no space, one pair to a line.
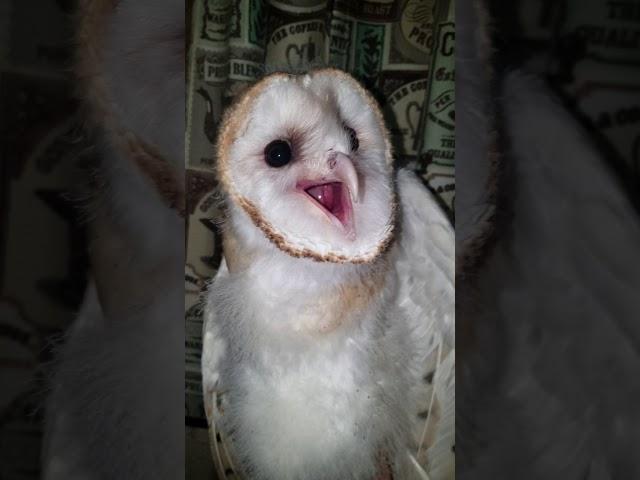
306,162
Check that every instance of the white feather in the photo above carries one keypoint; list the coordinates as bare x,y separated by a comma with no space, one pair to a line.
425,269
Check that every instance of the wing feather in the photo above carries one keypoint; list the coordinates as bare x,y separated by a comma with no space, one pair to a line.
213,350
425,267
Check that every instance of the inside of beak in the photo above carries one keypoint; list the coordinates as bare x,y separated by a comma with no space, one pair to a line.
336,192
332,197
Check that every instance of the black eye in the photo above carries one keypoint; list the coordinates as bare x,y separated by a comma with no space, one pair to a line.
277,154
352,137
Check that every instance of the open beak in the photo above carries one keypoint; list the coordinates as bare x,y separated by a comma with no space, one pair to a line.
335,193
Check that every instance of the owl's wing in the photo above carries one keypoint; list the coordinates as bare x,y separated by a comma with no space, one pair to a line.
424,265
213,350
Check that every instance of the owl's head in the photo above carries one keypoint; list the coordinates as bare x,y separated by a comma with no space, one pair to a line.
305,162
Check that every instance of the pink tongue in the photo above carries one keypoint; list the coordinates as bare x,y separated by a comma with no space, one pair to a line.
327,195
335,200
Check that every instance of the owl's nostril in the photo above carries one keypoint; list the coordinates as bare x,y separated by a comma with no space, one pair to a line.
332,161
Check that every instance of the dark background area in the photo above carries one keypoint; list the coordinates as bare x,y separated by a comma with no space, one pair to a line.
589,52
42,244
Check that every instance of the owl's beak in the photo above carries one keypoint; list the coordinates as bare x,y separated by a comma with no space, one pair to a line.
335,192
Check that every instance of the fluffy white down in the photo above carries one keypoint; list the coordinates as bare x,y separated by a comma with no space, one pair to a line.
302,405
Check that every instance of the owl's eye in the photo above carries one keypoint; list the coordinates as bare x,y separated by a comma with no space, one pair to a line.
277,154
352,137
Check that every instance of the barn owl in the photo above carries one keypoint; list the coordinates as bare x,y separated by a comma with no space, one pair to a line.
329,329
116,406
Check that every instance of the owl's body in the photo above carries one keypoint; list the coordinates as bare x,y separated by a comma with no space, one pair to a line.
301,402
317,339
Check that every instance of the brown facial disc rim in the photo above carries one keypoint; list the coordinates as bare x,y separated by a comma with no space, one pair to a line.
234,123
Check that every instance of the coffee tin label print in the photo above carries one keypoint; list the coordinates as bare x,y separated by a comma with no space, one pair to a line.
413,35
438,144
610,30
257,25
379,11
299,7
212,65
442,113
216,21
368,51
407,103
440,118
416,24
340,42
245,64
299,45
209,72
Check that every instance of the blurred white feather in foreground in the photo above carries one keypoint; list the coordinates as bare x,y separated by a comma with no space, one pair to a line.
117,389
549,387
